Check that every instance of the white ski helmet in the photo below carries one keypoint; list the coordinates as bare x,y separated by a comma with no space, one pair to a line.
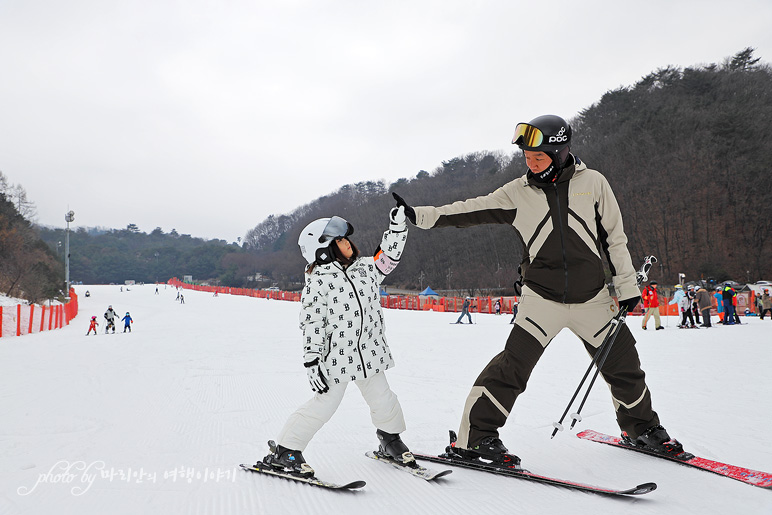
317,237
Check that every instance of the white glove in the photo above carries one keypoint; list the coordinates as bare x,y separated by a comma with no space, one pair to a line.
397,219
315,377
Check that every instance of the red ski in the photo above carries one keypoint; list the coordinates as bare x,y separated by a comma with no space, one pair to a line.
749,476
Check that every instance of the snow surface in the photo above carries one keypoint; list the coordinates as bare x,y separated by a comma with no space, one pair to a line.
199,388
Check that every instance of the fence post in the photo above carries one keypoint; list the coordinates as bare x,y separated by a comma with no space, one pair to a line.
1,321
18,319
31,316
42,316
50,316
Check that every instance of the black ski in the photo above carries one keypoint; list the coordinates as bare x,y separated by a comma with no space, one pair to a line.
452,458
412,468
267,469
530,476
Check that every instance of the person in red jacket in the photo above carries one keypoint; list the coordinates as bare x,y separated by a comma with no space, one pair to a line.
651,305
92,326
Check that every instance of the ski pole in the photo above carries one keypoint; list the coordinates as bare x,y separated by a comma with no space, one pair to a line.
603,347
577,417
603,350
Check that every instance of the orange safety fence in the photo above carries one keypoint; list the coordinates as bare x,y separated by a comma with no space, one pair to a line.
443,304
19,320
248,292
412,302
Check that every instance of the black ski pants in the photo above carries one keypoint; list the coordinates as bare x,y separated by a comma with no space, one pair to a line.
493,395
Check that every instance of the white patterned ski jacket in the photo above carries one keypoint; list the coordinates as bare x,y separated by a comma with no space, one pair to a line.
341,315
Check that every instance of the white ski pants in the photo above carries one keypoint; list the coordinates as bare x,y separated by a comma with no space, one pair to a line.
385,411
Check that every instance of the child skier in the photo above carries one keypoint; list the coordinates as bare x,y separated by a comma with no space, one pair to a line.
343,338
93,325
127,320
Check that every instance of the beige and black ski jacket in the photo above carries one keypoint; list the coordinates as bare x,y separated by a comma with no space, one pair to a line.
565,227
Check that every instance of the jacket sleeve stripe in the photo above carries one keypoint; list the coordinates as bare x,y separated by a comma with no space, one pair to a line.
471,218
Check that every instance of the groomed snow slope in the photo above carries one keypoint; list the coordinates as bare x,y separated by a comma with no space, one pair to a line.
157,420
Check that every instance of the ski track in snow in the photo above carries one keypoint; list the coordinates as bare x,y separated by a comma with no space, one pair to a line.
164,415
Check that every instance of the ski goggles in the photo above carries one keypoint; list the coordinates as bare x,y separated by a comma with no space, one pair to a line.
527,135
336,228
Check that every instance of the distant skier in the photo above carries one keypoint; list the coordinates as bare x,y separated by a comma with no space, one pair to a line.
497,307
682,300
514,311
465,310
110,316
766,304
703,304
93,325
692,293
343,338
182,299
719,304
651,305
127,321
728,296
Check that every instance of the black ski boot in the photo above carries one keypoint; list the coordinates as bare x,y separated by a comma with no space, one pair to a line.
657,440
287,460
490,449
391,445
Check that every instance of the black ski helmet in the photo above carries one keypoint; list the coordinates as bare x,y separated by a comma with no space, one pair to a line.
546,133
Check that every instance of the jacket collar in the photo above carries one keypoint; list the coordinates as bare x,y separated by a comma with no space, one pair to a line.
573,165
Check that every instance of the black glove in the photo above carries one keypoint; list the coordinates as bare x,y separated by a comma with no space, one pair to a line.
409,211
629,303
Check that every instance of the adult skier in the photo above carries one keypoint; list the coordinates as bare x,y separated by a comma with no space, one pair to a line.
692,294
703,303
568,218
465,310
343,337
682,300
728,296
651,304
766,304
110,316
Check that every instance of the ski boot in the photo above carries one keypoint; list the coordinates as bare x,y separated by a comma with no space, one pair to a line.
287,460
392,446
656,439
489,449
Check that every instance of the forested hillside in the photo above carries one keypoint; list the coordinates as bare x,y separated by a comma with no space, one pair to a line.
116,255
28,267
685,150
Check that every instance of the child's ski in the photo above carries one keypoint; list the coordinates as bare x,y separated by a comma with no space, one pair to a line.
411,468
267,469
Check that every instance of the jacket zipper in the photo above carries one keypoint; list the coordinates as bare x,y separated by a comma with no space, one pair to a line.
361,323
562,241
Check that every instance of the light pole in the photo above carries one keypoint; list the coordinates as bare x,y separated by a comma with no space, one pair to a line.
69,217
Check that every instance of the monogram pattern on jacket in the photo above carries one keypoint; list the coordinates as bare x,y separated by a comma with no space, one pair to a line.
341,316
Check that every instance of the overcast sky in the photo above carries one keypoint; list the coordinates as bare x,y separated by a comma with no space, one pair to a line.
208,116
